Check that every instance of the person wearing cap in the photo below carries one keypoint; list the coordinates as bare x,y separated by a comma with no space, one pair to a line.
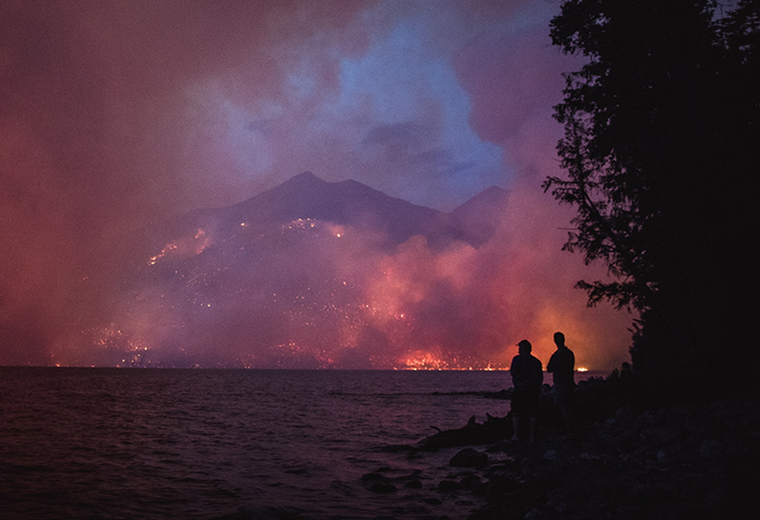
527,378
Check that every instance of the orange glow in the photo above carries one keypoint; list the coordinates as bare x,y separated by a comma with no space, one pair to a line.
327,297
421,360
184,247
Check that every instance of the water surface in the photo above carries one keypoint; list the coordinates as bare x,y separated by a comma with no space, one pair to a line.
161,443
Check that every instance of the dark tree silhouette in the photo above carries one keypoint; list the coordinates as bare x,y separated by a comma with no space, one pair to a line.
662,133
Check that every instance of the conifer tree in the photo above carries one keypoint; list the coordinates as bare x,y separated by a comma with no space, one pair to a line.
660,150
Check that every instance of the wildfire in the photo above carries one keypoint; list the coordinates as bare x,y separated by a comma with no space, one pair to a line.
302,223
128,350
187,246
421,360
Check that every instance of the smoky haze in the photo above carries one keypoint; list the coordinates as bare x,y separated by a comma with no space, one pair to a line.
117,117
313,274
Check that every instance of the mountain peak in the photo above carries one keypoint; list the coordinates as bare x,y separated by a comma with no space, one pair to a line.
477,218
305,178
305,175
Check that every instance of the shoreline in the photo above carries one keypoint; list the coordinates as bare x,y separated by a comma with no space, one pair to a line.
675,460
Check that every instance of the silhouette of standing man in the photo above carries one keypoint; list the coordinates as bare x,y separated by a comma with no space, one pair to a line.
527,378
562,366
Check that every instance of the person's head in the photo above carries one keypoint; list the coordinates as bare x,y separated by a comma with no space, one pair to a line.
525,347
559,339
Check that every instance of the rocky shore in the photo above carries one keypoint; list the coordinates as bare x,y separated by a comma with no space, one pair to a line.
634,456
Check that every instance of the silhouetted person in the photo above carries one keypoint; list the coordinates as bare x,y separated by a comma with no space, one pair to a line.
562,366
527,378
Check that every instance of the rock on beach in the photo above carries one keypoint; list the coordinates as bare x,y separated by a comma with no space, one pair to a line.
682,460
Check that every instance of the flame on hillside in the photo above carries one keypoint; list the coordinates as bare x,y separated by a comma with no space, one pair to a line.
183,247
312,294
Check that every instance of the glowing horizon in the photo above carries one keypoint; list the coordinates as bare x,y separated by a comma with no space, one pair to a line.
353,305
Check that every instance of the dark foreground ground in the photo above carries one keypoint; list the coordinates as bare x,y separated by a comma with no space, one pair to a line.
634,456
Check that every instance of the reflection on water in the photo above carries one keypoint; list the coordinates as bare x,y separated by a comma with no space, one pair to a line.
110,443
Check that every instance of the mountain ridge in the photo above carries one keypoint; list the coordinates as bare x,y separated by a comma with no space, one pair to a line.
307,274
348,203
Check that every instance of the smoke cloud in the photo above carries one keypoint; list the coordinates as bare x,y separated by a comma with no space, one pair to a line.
118,116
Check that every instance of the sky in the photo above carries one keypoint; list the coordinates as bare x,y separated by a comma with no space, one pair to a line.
116,116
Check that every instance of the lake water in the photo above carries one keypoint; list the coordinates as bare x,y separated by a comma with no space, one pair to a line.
160,443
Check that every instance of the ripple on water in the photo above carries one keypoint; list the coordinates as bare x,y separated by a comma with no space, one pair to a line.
83,443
